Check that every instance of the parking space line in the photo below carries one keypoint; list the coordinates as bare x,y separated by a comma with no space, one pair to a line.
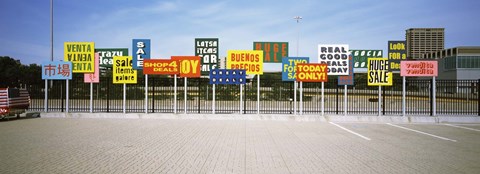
357,134
420,132
462,127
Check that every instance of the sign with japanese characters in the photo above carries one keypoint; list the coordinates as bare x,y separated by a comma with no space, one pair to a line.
123,71
397,52
57,70
161,66
360,58
189,65
140,51
106,55
419,68
93,77
251,61
288,67
273,52
228,76
347,80
81,54
207,50
312,72
379,72
336,57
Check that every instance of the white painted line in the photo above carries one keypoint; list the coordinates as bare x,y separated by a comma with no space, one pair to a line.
462,127
357,134
420,132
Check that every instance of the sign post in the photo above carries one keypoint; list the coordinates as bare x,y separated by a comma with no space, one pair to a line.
379,75
189,67
289,74
251,61
418,69
345,81
123,73
56,70
92,78
312,72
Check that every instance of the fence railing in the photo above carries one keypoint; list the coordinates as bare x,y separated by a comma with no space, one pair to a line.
276,97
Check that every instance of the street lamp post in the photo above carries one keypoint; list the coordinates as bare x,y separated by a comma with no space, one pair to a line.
298,18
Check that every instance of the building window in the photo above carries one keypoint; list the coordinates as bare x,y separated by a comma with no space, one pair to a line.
469,62
450,63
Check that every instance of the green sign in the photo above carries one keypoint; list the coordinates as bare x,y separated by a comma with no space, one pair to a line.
360,58
273,52
106,55
207,50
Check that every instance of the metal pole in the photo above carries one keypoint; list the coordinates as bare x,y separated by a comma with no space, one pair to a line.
66,101
345,100
403,96
185,96
124,97
258,94
213,99
379,100
434,96
294,97
146,94
175,94
45,102
323,99
241,98
91,97
301,98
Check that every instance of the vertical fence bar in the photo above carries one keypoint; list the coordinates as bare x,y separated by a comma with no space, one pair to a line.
294,97
345,100
431,97
153,94
379,99
198,96
336,103
478,97
384,101
301,98
323,99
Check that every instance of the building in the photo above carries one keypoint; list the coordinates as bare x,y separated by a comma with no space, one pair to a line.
424,40
459,63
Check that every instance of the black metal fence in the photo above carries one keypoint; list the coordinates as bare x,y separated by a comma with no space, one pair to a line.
276,97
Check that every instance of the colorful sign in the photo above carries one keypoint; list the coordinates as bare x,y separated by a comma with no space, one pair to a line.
288,67
347,80
397,51
207,50
57,70
189,65
360,58
312,72
106,55
161,66
81,54
336,57
93,77
123,71
379,73
228,76
251,61
273,52
419,68
140,51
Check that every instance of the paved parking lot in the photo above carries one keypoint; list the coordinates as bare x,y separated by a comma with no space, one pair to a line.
67,145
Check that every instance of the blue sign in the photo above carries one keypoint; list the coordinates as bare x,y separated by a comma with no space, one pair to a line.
140,51
228,76
347,80
57,70
288,67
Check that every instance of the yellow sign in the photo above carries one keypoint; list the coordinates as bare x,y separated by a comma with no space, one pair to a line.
378,72
251,61
82,56
123,71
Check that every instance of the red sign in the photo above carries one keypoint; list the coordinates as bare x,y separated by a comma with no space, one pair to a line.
419,68
93,77
189,65
160,66
311,72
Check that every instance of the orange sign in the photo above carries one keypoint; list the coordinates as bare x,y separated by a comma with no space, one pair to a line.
312,72
160,66
189,65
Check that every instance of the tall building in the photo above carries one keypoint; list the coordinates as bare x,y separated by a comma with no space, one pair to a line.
424,40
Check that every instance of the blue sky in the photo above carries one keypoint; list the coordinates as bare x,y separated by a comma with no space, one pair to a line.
173,25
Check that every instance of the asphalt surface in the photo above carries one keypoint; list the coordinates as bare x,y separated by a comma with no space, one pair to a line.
82,145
